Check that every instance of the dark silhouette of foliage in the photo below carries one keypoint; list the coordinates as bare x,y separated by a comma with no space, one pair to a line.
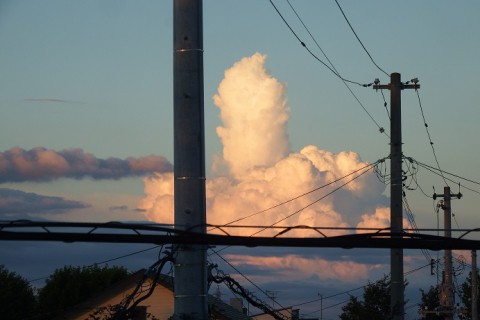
108,312
70,285
375,304
17,299
466,295
431,302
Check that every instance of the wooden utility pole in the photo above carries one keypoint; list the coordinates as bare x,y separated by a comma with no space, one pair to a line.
474,286
190,284
447,296
396,190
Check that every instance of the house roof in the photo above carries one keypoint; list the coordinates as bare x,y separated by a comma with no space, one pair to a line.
223,310
220,309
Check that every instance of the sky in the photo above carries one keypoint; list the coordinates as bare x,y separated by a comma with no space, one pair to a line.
87,111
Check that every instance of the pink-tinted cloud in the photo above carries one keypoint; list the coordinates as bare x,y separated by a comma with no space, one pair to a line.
41,164
257,169
300,267
380,219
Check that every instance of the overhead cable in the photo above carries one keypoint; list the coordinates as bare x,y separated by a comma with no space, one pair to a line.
319,199
303,194
107,261
335,69
355,289
314,55
413,170
429,137
413,223
237,288
360,41
244,276
433,170
385,104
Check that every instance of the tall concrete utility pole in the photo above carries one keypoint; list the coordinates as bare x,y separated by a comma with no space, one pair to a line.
190,285
396,190
447,296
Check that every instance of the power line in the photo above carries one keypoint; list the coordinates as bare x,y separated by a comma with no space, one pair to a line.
413,174
107,261
428,135
328,297
244,276
312,54
449,173
351,290
433,170
412,221
303,194
385,104
295,198
360,41
321,198
333,69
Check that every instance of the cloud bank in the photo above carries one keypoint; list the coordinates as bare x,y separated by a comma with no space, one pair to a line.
14,202
41,164
294,267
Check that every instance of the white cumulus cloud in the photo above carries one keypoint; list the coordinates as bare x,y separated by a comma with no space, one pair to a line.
257,168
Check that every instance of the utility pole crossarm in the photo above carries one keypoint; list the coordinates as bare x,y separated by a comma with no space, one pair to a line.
403,86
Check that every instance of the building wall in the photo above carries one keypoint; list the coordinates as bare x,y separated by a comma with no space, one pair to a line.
159,304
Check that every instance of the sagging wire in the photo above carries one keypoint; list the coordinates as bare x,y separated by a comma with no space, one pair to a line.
409,176
433,170
428,134
317,200
243,276
361,287
380,171
380,129
385,104
106,261
449,173
415,178
384,279
303,194
367,167
237,288
461,262
312,54
360,41
413,223
142,291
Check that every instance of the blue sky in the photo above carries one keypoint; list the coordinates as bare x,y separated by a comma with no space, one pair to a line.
97,75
